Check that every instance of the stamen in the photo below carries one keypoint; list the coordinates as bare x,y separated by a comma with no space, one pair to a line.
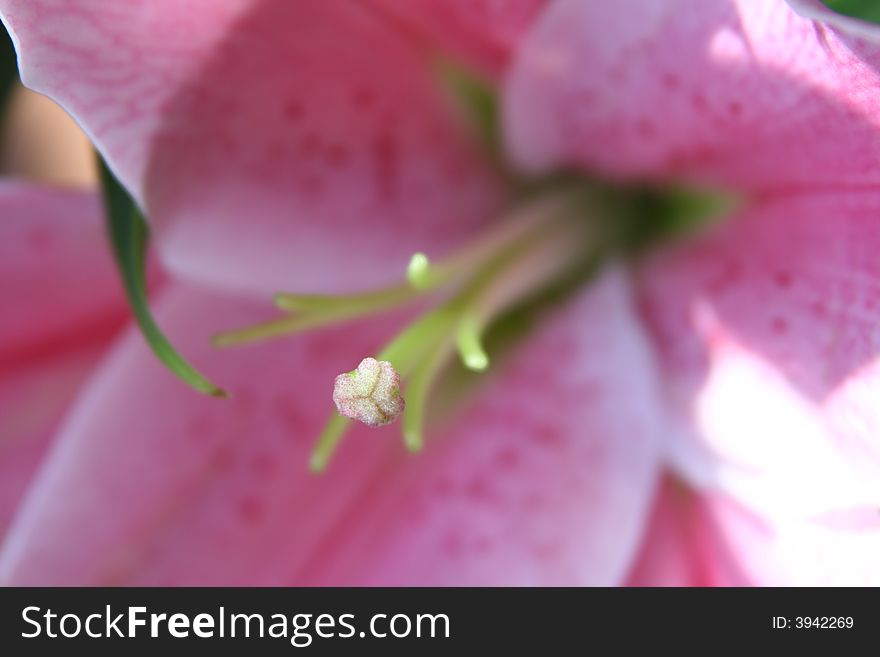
316,311
417,272
288,325
469,344
417,391
368,301
406,351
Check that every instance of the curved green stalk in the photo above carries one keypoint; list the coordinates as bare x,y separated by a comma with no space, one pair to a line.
129,236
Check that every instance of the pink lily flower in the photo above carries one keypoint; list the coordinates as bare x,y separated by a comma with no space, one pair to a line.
705,414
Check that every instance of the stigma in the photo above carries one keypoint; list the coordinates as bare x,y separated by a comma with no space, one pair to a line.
369,394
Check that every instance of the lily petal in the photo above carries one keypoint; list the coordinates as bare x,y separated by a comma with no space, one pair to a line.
62,304
788,550
58,283
766,330
681,546
742,95
274,145
546,479
34,397
482,35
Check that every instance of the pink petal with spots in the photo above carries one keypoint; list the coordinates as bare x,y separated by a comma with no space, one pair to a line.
543,480
58,282
767,333
481,34
746,95
160,485
275,145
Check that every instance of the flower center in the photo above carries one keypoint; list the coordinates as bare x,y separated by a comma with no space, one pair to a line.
554,239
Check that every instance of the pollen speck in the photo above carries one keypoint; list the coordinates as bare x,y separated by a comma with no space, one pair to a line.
369,394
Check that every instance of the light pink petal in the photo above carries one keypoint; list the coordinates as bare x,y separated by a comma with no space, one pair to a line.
682,546
58,283
546,479
786,550
275,145
746,95
767,332
714,540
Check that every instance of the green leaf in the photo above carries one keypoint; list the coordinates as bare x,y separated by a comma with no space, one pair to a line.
129,236
867,10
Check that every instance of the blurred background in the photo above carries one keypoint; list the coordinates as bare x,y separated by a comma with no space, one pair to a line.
38,141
